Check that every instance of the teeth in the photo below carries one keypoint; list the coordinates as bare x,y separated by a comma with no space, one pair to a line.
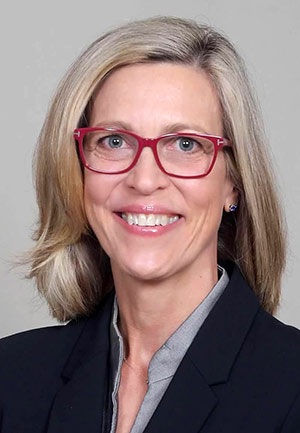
164,220
130,219
149,219
142,220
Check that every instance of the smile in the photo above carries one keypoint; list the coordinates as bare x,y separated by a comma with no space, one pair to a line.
149,219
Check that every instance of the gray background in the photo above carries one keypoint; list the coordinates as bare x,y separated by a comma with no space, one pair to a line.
38,42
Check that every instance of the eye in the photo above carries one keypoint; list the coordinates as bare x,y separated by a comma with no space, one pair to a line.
114,141
188,144
185,143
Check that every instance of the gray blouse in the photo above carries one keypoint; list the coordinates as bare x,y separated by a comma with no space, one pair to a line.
165,360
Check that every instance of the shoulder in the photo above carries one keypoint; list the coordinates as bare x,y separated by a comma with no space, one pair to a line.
276,333
47,341
32,365
43,352
268,370
275,347
49,346
36,356
30,371
270,349
267,334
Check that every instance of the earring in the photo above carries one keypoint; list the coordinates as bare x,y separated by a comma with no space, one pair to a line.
232,207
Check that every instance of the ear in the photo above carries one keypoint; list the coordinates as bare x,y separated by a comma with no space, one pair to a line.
232,197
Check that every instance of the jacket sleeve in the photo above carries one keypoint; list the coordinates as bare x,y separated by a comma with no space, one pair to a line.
292,421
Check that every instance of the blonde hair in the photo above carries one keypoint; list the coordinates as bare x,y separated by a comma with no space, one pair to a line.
71,269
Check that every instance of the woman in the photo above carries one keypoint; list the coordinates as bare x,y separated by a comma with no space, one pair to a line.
161,240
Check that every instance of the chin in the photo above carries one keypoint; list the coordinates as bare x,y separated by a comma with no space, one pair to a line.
144,270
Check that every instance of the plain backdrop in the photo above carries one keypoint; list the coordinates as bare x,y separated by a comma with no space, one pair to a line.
38,42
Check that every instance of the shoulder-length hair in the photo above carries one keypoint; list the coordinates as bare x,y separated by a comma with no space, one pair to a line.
72,270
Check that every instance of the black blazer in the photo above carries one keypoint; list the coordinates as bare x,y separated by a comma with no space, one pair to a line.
241,374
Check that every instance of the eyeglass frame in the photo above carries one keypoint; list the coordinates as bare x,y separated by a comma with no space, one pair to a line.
218,142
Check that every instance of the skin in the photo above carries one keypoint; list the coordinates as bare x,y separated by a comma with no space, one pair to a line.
159,281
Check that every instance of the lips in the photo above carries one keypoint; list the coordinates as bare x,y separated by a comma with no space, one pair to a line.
148,218
145,227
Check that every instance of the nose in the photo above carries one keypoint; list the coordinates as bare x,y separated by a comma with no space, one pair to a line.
146,177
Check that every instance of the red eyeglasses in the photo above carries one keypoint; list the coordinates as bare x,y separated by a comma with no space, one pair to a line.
115,151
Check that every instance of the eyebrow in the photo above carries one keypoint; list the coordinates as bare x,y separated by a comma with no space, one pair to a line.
167,128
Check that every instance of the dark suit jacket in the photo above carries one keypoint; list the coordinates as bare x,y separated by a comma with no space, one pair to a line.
241,374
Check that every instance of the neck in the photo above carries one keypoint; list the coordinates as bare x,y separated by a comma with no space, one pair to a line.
150,311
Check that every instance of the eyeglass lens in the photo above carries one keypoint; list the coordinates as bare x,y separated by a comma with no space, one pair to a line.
184,155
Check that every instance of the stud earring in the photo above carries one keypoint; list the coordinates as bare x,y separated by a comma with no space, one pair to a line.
232,207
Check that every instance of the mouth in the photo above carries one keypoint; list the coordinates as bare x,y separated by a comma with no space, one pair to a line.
148,220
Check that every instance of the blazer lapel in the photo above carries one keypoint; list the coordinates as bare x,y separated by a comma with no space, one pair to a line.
190,397
185,405
78,406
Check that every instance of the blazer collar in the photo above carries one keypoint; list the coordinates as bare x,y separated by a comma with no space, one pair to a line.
94,339
78,405
224,330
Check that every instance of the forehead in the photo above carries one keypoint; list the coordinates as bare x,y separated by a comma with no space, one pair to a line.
151,95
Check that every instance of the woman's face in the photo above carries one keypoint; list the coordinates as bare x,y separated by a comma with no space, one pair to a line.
151,100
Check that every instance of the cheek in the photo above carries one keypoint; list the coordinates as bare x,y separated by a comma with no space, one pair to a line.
206,196
96,193
92,192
